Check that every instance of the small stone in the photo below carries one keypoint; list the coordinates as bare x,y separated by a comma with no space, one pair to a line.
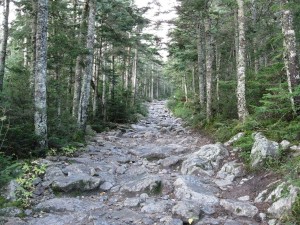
239,208
106,186
244,198
132,202
144,197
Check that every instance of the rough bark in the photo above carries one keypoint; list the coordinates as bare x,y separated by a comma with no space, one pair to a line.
79,63
40,94
134,76
241,67
201,62
255,43
218,65
88,72
3,41
209,62
290,55
33,41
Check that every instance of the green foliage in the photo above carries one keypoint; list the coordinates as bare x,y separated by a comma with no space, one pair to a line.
245,144
30,172
69,151
8,169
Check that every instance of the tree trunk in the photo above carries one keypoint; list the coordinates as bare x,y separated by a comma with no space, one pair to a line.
134,76
241,67
3,41
97,73
218,65
185,87
290,55
88,72
79,62
255,43
201,62
33,41
40,95
209,61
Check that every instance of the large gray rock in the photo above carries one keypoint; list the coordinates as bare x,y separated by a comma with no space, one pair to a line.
170,221
283,198
82,182
235,138
10,190
186,210
239,208
263,149
67,205
207,159
228,173
10,212
72,218
144,183
191,188
156,207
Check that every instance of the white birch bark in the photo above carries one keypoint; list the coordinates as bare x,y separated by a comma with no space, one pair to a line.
201,62
209,62
3,41
79,62
40,94
134,76
290,54
241,67
88,72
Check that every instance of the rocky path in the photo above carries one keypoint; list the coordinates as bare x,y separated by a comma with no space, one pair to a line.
155,172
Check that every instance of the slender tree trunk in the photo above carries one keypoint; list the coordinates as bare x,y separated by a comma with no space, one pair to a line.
79,62
241,67
201,62
290,54
86,81
193,81
97,73
218,65
3,41
134,76
33,41
255,43
40,95
209,61
157,87
152,83
185,87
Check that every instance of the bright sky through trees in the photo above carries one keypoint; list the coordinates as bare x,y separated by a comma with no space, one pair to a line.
160,13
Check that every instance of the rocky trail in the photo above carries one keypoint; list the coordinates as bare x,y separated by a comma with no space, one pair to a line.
154,172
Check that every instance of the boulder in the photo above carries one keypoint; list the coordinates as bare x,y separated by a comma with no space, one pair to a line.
82,182
283,198
192,189
67,205
263,149
239,208
187,210
235,138
207,159
145,183
156,207
229,172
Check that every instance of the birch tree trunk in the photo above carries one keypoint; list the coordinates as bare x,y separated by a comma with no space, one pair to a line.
40,94
3,41
79,62
134,76
218,65
88,72
209,61
254,18
33,41
241,67
290,54
201,62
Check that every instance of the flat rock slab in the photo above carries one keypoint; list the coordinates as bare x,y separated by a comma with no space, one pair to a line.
192,188
239,208
67,205
81,182
145,183
207,159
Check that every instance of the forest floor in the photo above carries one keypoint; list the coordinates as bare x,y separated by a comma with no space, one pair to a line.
153,172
